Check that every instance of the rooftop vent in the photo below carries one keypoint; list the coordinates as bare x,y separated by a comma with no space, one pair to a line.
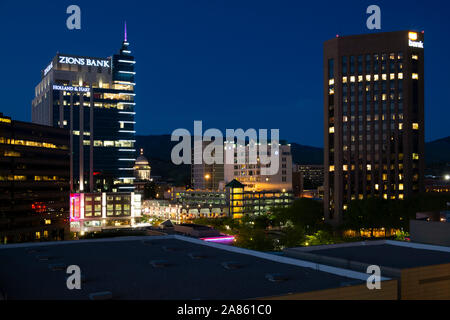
105,295
276,277
57,266
34,250
43,257
198,255
232,265
160,263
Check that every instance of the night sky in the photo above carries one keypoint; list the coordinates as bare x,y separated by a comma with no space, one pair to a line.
232,64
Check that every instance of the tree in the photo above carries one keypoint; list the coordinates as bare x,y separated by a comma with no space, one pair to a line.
306,213
150,190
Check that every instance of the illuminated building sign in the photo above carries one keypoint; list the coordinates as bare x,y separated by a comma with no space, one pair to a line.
50,66
416,44
413,40
84,61
70,88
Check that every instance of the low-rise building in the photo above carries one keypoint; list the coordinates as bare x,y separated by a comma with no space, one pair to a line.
92,212
422,271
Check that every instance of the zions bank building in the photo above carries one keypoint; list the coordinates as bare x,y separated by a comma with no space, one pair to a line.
94,99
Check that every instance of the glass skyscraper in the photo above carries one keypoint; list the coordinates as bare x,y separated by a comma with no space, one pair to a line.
94,99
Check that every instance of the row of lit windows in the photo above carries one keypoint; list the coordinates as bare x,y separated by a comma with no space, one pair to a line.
31,143
35,178
375,118
374,77
109,143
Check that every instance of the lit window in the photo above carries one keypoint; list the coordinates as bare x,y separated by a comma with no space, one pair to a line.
415,57
331,168
415,126
345,167
352,79
415,156
400,75
360,78
369,167
415,76
344,79
376,77
331,82
401,196
331,130
392,76
400,187
384,76
400,126
368,77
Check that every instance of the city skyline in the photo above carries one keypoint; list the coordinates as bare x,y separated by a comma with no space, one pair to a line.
250,62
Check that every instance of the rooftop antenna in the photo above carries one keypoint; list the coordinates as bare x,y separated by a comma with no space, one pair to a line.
125,31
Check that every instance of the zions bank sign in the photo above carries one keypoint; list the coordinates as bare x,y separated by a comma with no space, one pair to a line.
84,61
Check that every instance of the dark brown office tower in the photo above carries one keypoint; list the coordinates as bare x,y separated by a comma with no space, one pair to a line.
373,118
34,182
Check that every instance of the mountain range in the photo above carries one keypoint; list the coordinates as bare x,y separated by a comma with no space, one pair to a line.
158,148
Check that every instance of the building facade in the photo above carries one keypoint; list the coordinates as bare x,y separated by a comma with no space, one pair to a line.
94,212
373,119
94,99
34,182
252,176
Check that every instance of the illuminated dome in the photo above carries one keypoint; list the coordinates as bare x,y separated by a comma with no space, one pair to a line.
142,167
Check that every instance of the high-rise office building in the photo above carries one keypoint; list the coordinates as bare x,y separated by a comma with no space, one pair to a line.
373,118
94,99
34,182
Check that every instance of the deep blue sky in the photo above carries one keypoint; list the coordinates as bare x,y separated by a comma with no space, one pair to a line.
232,64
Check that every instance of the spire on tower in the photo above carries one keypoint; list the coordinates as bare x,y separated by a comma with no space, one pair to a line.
125,32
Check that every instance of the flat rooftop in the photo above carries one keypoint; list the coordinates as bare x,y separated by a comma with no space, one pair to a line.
392,254
192,269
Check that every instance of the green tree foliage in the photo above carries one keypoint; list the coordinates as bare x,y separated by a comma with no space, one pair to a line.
304,213
321,237
379,213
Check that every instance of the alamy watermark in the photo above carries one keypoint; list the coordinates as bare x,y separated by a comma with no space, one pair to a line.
374,280
239,147
74,280
74,20
374,20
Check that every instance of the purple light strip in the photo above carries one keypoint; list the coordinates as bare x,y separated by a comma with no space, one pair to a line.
218,239
125,31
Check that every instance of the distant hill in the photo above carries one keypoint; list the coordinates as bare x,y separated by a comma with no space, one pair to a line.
438,151
157,148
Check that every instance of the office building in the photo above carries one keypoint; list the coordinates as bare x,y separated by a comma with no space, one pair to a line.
252,176
34,182
243,200
373,119
94,99
206,176
94,212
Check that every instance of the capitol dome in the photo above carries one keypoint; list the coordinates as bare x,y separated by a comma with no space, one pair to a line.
142,167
